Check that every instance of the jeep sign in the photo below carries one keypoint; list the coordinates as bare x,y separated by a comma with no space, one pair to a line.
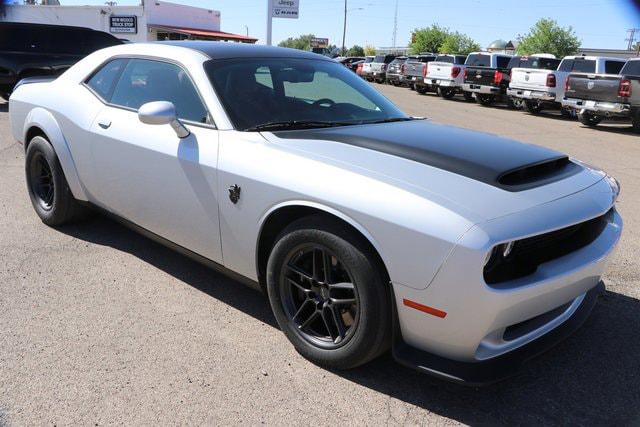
285,9
123,24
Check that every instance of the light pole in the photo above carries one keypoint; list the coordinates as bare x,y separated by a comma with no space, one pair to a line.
269,21
344,28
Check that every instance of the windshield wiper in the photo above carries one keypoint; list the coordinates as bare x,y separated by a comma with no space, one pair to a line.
295,124
391,120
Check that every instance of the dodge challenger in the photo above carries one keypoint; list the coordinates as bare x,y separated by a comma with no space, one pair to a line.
463,253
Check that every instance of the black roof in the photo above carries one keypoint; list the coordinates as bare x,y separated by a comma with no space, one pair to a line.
226,50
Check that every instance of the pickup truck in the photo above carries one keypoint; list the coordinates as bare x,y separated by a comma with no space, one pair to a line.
28,50
378,68
415,69
446,73
394,71
545,87
365,69
614,93
487,76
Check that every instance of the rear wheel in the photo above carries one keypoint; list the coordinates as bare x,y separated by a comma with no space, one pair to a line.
446,92
5,95
532,107
587,118
468,96
514,103
485,100
635,120
567,113
48,189
328,295
421,89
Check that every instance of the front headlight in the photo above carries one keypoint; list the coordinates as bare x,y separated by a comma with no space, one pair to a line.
615,186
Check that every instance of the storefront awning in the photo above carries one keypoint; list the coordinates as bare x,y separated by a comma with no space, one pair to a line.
205,34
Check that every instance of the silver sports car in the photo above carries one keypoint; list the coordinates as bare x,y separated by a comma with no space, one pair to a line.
462,252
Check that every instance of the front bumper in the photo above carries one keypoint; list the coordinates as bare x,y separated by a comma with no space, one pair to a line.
537,95
483,89
597,106
487,325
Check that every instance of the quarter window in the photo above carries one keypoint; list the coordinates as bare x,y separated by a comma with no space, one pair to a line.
146,81
102,82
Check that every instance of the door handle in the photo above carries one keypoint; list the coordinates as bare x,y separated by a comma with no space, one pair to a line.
104,123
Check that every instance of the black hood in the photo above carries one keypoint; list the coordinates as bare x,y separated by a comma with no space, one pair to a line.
497,161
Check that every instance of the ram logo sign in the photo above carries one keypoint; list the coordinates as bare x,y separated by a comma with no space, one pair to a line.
590,85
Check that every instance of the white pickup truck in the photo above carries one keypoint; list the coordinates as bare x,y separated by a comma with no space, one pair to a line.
446,74
541,86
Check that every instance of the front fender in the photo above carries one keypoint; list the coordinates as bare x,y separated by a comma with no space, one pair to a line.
44,120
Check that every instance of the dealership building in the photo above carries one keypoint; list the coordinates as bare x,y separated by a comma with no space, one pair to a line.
150,21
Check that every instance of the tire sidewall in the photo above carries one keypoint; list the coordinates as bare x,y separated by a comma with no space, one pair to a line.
372,294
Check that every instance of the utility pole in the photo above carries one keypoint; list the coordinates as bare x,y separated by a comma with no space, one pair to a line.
632,37
344,28
395,26
269,20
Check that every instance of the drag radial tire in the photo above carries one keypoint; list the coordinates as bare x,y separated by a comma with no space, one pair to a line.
48,189
587,118
329,293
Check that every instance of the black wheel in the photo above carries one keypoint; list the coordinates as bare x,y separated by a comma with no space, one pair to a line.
5,95
635,120
514,103
532,107
468,96
484,100
567,113
48,189
328,294
446,92
412,86
587,118
421,89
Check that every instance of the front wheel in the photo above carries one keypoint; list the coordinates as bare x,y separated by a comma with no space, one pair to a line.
587,118
328,294
484,100
48,189
446,92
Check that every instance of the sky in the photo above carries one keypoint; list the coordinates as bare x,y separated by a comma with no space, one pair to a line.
598,23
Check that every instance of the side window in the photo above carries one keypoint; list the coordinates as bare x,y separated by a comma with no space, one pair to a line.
566,65
613,67
503,61
103,80
145,81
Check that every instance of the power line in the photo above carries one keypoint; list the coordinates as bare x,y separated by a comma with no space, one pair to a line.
632,37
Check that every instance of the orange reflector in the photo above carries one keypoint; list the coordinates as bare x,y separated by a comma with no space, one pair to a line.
424,308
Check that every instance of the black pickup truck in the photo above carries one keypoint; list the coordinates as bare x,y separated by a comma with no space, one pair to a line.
415,70
28,50
487,76
616,93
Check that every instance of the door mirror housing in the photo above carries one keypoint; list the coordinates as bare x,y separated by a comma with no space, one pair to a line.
162,113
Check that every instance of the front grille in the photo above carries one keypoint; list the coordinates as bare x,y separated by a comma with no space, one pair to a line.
527,254
520,329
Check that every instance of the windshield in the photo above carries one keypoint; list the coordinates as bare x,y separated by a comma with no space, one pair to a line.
264,91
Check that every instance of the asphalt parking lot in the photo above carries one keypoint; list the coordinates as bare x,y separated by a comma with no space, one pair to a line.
99,325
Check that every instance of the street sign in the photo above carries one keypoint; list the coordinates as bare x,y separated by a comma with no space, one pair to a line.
285,9
319,42
123,24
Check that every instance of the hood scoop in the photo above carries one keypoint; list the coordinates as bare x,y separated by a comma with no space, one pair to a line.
536,174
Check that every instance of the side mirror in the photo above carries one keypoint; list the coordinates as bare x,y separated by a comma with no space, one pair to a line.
162,113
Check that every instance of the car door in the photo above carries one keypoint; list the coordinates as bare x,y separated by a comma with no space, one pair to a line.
146,173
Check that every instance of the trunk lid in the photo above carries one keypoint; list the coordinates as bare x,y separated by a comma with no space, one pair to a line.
480,76
529,78
441,70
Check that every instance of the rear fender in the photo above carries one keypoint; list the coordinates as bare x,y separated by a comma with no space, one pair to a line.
44,120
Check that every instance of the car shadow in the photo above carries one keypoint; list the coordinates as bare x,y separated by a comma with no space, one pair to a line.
591,378
4,107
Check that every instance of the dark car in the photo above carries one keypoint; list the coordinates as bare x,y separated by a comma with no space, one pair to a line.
394,71
349,60
28,50
487,76
614,93
415,70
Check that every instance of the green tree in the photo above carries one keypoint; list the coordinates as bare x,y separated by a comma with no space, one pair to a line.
355,50
428,39
546,36
457,43
302,42
369,50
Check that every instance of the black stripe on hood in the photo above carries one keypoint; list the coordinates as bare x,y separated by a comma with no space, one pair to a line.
501,162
